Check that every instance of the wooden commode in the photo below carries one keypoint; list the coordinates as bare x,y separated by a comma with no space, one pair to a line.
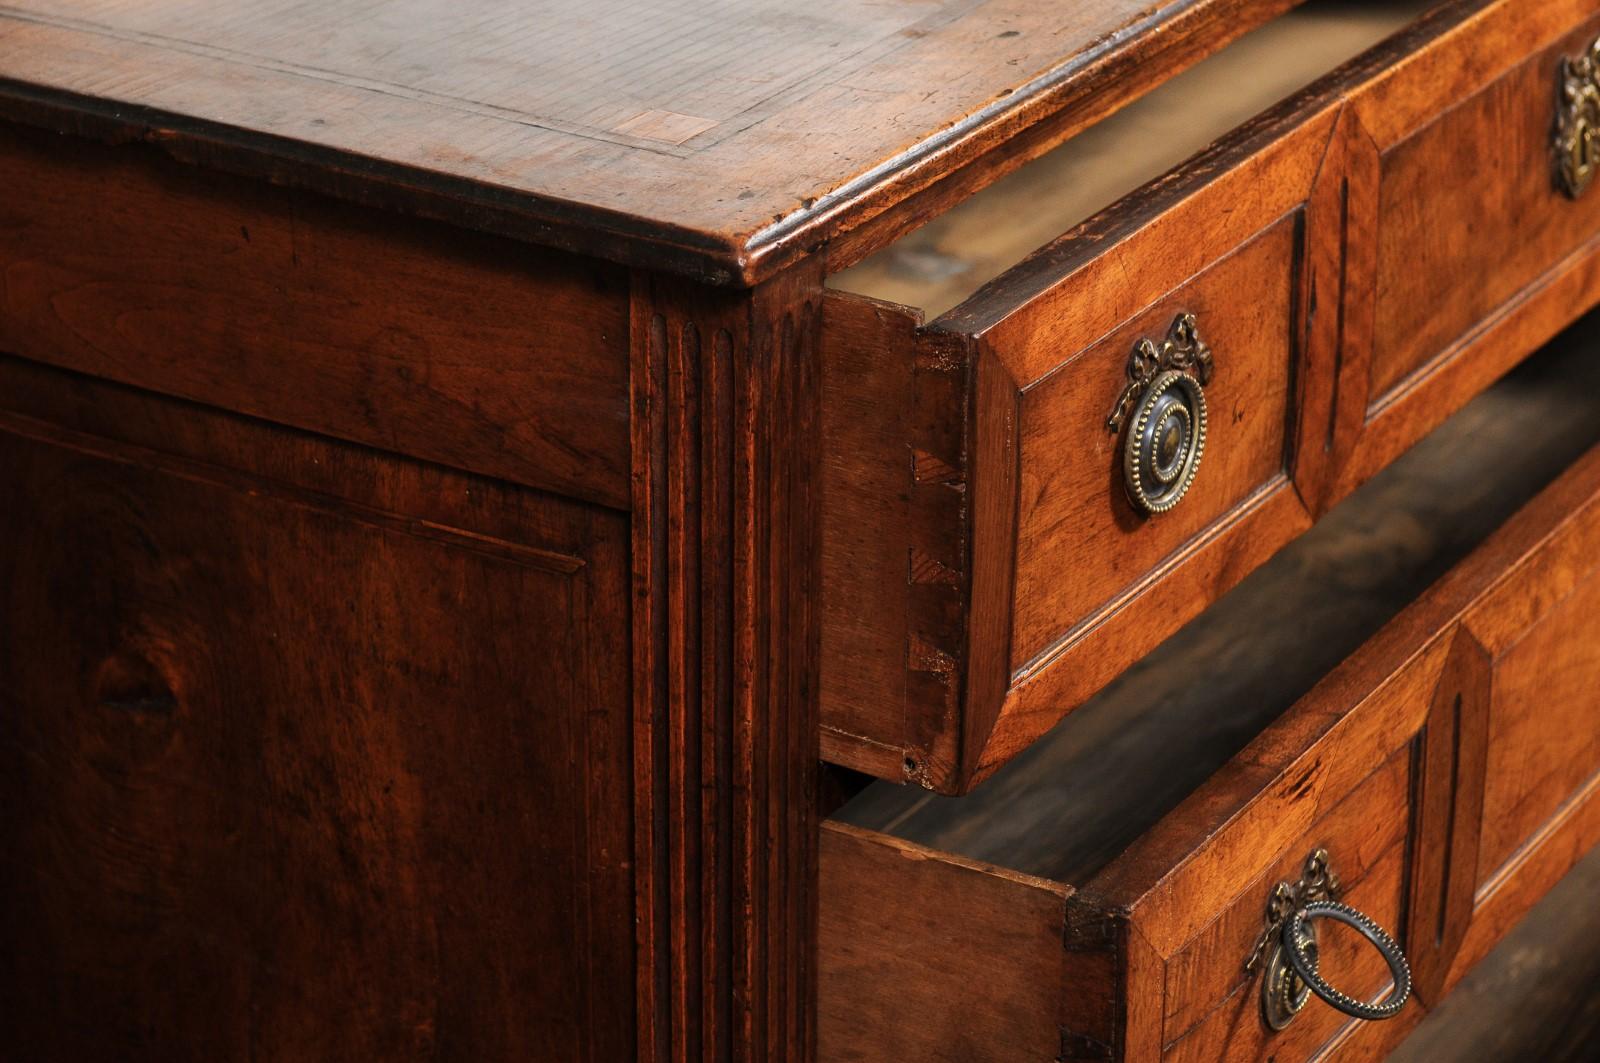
950,530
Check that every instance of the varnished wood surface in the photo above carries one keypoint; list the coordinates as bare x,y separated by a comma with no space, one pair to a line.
1456,249
1014,474
1241,663
452,347
720,139
678,921
724,615
1390,761
938,265
306,751
1009,645
1463,265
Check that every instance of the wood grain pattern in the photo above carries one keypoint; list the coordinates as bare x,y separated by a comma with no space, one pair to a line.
1279,238
868,475
725,403
1389,761
1470,211
1478,256
723,140
310,751
894,556
1071,500
1452,770
973,933
453,348
1021,428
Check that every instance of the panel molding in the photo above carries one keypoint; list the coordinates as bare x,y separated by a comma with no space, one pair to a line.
725,413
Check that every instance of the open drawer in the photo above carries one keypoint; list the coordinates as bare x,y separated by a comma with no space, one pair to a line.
1103,895
1027,494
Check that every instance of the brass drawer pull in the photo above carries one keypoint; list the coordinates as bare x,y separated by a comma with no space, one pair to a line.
1296,934
1577,139
1289,945
1165,398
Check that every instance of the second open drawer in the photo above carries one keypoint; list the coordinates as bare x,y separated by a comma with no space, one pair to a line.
1103,895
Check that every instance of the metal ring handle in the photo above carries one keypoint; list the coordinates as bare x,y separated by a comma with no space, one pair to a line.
1306,966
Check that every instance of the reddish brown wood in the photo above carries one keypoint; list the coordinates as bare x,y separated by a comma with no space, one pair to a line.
869,475
625,531
1280,239
724,142
459,349
1468,203
975,934
1384,764
1450,774
1071,498
894,557
725,401
1533,996
1034,363
308,751
1476,263
1336,312
680,919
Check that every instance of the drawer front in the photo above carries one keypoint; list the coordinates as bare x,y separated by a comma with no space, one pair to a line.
447,346
988,564
1243,306
985,561
1477,250
1448,769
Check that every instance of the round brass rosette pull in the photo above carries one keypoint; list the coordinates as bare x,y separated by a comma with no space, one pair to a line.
1289,947
1164,405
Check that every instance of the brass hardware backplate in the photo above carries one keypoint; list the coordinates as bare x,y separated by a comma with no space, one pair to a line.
1284,993
1183,350
1165,405
1577,139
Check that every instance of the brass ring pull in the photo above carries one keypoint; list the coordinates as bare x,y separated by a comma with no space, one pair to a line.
1304,960
1164,404
1288,945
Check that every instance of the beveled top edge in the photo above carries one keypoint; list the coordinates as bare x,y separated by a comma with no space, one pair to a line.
216,96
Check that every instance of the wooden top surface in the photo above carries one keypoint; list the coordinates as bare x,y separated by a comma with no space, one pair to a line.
720,138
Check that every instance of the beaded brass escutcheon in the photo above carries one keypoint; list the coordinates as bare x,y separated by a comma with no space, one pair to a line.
1577,140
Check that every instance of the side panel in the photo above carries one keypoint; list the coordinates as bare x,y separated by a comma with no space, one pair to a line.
928,957
307,751
895,525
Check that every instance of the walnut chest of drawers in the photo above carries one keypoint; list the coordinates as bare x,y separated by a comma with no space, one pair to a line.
755,531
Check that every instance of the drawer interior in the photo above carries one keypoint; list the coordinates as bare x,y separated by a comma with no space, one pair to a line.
1122,860
935,267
